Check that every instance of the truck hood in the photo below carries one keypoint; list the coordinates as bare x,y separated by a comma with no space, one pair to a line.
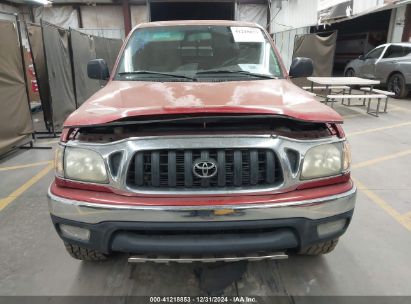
124,99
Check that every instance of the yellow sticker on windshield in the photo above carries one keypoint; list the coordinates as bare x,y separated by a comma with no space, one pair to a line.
247,34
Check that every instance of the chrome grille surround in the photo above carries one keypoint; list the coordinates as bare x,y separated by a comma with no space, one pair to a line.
128,147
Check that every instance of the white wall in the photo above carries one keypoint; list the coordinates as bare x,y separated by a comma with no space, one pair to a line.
256,13
103,16
139,14
8,8
302,13
104,32
294,14
63,16
295,18
362,6
9,17
22,11
398,16
4,9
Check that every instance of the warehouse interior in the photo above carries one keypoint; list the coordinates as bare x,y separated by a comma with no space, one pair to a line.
44,51
372,29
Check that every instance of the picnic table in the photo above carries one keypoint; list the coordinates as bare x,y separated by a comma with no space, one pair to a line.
367,86
328,83
347,81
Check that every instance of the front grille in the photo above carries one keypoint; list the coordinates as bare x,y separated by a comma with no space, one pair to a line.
173,169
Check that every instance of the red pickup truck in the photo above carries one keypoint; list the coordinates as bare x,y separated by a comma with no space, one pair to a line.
200,148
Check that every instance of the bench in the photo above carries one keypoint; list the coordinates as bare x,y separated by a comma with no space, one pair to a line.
343,88
378,91
370,97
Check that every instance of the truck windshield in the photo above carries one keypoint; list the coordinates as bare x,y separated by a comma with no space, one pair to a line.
188,53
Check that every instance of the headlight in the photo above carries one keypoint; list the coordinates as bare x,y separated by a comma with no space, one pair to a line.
84,165
322,161
347,156
58,161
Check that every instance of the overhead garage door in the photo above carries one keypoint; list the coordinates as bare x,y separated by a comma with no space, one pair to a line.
164,10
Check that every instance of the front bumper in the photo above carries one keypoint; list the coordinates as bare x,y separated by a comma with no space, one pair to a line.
203,229
93,213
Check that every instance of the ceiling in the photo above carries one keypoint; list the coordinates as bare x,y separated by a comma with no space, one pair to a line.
135,2
62,1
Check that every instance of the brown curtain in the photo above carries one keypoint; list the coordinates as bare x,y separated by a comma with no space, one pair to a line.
320,49
15,119
37,48
56,45
108,49
84,50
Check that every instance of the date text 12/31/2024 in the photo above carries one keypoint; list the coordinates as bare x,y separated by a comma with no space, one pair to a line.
204,299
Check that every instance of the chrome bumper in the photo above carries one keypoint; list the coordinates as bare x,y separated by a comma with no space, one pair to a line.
95,213
207,259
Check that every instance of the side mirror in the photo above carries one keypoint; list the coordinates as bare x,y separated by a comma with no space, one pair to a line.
97,69
301,67
361,57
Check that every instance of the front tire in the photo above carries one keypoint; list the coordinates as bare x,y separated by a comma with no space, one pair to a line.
396,83
319,248
349,73
85,254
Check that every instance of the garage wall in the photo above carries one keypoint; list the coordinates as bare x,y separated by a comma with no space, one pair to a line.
23,11
63,16
139,14
7,17
107,16
256,13
104,32
361,6
8,8
294,14
103,21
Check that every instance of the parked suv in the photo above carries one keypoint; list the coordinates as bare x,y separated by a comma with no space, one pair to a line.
200,148
390,63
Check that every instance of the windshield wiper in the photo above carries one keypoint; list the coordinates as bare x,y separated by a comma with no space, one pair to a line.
142,72
236,72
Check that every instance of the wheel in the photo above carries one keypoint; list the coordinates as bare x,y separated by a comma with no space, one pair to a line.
350,73
319,248
396,83
84,254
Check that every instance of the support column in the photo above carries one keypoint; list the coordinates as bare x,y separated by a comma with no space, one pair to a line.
126,16
406,34
268,16
79,16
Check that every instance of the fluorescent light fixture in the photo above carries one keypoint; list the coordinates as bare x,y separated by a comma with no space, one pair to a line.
44,2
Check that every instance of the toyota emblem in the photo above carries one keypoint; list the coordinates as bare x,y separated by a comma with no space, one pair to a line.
204,168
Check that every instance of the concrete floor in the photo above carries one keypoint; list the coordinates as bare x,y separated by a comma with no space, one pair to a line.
371,259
